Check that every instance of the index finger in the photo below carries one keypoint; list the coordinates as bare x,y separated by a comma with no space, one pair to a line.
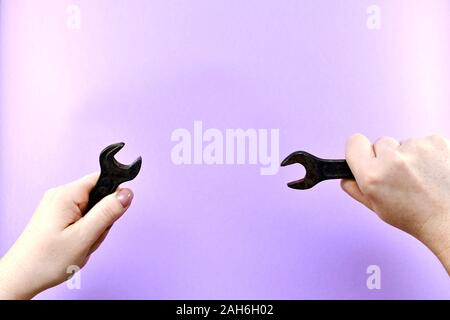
359,154
81,188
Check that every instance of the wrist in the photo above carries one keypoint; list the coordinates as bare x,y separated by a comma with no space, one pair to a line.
13,285
435,234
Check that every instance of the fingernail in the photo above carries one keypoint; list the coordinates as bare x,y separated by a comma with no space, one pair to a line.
125,196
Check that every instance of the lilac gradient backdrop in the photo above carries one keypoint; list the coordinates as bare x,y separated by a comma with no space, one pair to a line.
137,70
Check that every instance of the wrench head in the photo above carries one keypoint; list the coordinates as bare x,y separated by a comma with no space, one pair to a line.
310,163
112,167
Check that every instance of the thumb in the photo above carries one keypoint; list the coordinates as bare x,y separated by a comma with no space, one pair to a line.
104,214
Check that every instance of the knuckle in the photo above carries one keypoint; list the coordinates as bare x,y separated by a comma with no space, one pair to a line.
386,143
354,137
383,140
369,182
438,139
422,144
415,145
398,161
50,193
407,142
58,193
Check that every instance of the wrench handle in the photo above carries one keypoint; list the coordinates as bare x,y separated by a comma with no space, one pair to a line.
104,187
335,169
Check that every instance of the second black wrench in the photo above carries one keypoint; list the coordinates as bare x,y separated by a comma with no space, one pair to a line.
317,169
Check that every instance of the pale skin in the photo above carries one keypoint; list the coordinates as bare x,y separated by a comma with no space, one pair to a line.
58,237
407,184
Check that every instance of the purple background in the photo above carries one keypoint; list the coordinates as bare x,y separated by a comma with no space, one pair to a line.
137,70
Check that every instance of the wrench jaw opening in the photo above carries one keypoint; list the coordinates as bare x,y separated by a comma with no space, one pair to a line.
108,163
312,176
107,160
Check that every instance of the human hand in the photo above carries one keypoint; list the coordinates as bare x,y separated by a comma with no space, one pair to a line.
407,184
58,236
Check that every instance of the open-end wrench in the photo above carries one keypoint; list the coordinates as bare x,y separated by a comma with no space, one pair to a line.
317,169
113,173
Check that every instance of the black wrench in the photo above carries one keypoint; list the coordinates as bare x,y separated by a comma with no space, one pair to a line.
317,169
113,173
